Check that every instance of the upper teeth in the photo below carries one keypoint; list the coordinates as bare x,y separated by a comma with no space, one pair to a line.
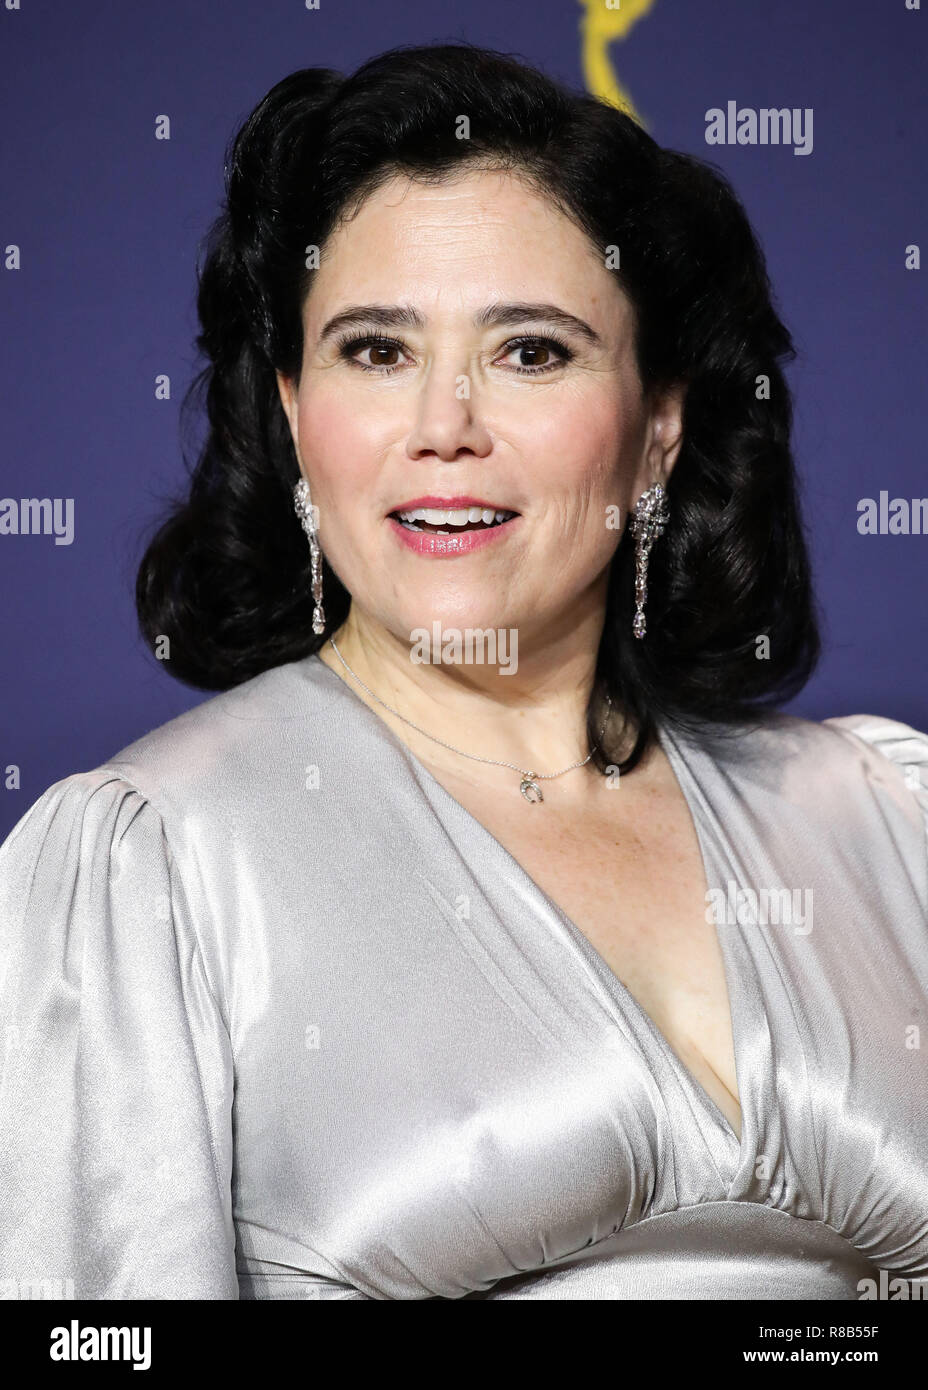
433,517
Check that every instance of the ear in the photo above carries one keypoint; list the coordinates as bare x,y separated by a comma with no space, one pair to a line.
289,402
665,434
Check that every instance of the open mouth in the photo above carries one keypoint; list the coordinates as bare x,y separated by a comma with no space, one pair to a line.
452,522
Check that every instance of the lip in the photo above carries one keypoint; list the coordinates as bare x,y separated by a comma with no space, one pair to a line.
431,543
449,504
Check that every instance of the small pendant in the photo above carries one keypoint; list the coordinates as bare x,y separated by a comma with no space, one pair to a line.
530,788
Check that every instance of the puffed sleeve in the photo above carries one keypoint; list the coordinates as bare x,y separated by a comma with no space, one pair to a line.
904,746
117,1082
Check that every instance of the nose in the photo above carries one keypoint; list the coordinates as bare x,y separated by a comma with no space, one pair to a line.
448,419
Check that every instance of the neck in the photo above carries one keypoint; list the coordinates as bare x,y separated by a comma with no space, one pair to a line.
533,716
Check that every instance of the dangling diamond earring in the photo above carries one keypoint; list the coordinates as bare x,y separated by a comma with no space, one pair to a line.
304,511
646,524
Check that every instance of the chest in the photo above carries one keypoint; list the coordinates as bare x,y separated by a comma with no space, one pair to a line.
629,876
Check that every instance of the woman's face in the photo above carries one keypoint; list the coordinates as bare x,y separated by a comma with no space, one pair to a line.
455,390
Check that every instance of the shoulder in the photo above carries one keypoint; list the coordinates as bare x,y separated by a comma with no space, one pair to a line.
206,768
893,755
218,752
844,766
89,840
845,740
900,744
77,810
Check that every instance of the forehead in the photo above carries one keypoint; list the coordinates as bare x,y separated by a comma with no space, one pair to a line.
459,244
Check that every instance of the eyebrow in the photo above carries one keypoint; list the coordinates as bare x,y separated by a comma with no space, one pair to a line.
404,316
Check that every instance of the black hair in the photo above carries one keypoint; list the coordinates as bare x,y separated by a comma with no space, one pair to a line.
226,574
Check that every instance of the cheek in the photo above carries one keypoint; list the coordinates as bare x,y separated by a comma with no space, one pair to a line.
582,447
335,446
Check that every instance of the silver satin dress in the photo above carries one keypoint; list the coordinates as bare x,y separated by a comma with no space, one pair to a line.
282,1020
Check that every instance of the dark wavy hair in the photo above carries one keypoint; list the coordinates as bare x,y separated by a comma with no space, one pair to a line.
226,575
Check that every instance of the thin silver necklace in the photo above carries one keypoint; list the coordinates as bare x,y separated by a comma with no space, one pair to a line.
528,786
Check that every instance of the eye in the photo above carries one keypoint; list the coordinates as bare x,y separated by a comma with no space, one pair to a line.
540,351
380,348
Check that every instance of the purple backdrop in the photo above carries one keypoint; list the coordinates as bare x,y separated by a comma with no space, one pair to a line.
107,221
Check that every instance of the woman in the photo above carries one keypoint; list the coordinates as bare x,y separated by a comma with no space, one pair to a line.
414,965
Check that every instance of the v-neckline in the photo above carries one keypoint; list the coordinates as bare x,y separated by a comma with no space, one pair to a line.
583,945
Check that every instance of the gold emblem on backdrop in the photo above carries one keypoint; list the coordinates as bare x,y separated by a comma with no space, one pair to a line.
600,24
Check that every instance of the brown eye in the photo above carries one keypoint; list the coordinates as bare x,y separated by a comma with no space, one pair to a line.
383,356
533,356
538,355
387,352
